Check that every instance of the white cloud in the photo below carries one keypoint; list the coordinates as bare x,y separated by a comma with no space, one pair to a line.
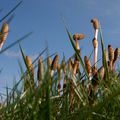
9,53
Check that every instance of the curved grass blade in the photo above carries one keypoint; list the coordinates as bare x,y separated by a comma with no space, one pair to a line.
11,11
16,42
103,56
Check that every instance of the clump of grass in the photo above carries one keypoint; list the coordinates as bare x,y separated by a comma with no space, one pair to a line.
87,93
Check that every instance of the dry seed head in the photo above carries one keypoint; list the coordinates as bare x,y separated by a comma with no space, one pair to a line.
49,62
116,54
95,43
30,65
70,64
95,23
110,53
28,61
101,72
4,31
40,69
78,36
87,64
55,62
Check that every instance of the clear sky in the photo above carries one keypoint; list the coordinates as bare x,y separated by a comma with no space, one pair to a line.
43,17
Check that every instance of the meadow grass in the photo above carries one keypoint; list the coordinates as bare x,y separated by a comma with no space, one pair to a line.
88,93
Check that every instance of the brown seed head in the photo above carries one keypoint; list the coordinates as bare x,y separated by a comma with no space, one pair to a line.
49,62
87,64
55,62
95,43
40,69
95,23
64,66
4,31
30,65
78,36
116,54
110,53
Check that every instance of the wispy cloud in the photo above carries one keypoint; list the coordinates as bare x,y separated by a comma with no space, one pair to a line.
12,54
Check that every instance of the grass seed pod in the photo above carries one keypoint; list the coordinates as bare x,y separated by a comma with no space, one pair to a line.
30,65
54,64
101,72
88,66
111,56
4,31
31,68
59,78
95,45
49,62
116,54
95,23
40,72
77,37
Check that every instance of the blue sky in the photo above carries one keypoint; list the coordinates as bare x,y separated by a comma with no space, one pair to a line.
43,17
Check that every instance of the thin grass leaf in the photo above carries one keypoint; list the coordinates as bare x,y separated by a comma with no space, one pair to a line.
16,42
11,18
11,11
103,56
77,53
28,69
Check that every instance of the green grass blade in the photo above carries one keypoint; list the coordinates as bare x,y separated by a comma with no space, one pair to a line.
16,42
11,11
103,56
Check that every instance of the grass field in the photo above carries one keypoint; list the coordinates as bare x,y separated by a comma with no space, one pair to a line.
87,93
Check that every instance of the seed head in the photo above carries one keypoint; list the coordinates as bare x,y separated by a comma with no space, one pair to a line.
87,64
49,62
116,54
40,71
78,36
95,43
30,65
55,62
95,23
110,53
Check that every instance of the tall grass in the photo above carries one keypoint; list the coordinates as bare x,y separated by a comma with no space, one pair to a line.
88,93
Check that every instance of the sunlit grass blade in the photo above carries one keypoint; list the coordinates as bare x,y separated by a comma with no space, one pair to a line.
10,11
16,42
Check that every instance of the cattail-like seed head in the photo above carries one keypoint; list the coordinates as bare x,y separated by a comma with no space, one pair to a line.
30,65
116,54
78,36
87,64
101,72
55,62
95,43
49,62
95,23
110,53
4,31
40,71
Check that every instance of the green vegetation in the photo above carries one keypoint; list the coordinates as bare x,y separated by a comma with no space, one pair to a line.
88,93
